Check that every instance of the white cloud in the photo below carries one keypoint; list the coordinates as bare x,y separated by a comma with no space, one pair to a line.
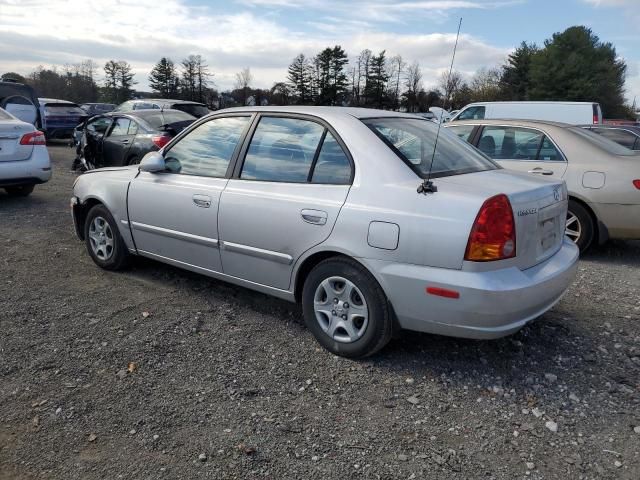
34,32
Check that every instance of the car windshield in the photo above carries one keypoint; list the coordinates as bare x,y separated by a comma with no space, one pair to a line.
413,141
63,109
192,108
604,143
158,119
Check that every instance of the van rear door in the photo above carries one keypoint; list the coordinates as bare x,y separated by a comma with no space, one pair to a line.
597,113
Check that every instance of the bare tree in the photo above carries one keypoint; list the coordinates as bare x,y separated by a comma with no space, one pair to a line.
395,71
243,81
450,84
413,85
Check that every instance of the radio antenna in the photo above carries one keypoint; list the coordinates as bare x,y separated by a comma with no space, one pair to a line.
427,185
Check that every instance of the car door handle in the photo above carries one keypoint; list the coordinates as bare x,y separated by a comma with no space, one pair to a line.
316,217
541,171
125,141
203,201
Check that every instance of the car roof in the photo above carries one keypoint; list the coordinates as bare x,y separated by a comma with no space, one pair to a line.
635,128
144,112
55,100
324,112
529,102
165,100
514,122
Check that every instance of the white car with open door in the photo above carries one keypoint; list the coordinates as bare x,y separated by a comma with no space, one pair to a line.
24,159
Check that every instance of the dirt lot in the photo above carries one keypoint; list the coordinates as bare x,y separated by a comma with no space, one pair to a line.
228,383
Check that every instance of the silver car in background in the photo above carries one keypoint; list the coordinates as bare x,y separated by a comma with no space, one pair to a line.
24,159
603,178
334,208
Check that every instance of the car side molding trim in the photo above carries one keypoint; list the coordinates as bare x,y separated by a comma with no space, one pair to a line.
258,252
189,237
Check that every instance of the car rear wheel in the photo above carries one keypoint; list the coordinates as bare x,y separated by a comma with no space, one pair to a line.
579,227
133,160
21,191
103,240
346,309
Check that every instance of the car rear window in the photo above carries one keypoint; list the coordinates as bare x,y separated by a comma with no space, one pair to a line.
413,140
192,109
63,109
159,119
602,142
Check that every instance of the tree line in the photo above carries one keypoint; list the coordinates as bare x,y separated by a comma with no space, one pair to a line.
574,65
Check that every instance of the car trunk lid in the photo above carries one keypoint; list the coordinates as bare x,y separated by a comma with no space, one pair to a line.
11,131
539,209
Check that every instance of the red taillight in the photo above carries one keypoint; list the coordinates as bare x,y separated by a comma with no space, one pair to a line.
636,183
33,138
493,235
160,140
595,118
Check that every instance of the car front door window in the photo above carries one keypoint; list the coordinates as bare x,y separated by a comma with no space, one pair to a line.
207,150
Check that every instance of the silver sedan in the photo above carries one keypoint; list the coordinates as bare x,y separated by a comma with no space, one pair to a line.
358,214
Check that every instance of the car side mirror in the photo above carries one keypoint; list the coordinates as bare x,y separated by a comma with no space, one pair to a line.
152,162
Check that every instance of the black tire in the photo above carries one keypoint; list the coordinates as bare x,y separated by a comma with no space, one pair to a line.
379,329
21,191
585,226
133,160
117,257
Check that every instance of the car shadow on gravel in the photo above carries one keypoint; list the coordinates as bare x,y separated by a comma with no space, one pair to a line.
518,361
621,252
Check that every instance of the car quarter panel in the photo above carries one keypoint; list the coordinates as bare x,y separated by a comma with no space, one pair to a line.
109,186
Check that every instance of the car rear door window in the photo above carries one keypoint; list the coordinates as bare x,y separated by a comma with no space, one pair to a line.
120,127
472,113
207,149
618,135
332,165
463,131
548,151
282,150
133,128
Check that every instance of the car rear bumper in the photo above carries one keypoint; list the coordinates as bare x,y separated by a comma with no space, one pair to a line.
491,304
34,170
622,221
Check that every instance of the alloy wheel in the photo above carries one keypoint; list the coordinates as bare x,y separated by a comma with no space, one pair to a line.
340,309
101,238
573,227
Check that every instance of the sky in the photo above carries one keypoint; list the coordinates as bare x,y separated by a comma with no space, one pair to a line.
265,35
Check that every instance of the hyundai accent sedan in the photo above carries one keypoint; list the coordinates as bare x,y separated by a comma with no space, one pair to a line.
348,211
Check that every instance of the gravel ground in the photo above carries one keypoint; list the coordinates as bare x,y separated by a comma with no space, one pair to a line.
159,373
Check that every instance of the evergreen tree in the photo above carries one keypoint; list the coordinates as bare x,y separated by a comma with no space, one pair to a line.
300,77
515,81
576,66
377,80
163,78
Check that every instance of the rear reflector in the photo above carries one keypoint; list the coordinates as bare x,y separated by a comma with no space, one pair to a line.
33,138
443,292
493,235
636,183
160,140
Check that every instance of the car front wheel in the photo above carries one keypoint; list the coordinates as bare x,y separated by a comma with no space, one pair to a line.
579,227
103,240
346,309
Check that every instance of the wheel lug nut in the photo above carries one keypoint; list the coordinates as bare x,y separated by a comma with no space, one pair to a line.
346,305
335,300
333,312
344,317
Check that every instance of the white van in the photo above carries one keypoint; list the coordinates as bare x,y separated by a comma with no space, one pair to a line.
577,113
